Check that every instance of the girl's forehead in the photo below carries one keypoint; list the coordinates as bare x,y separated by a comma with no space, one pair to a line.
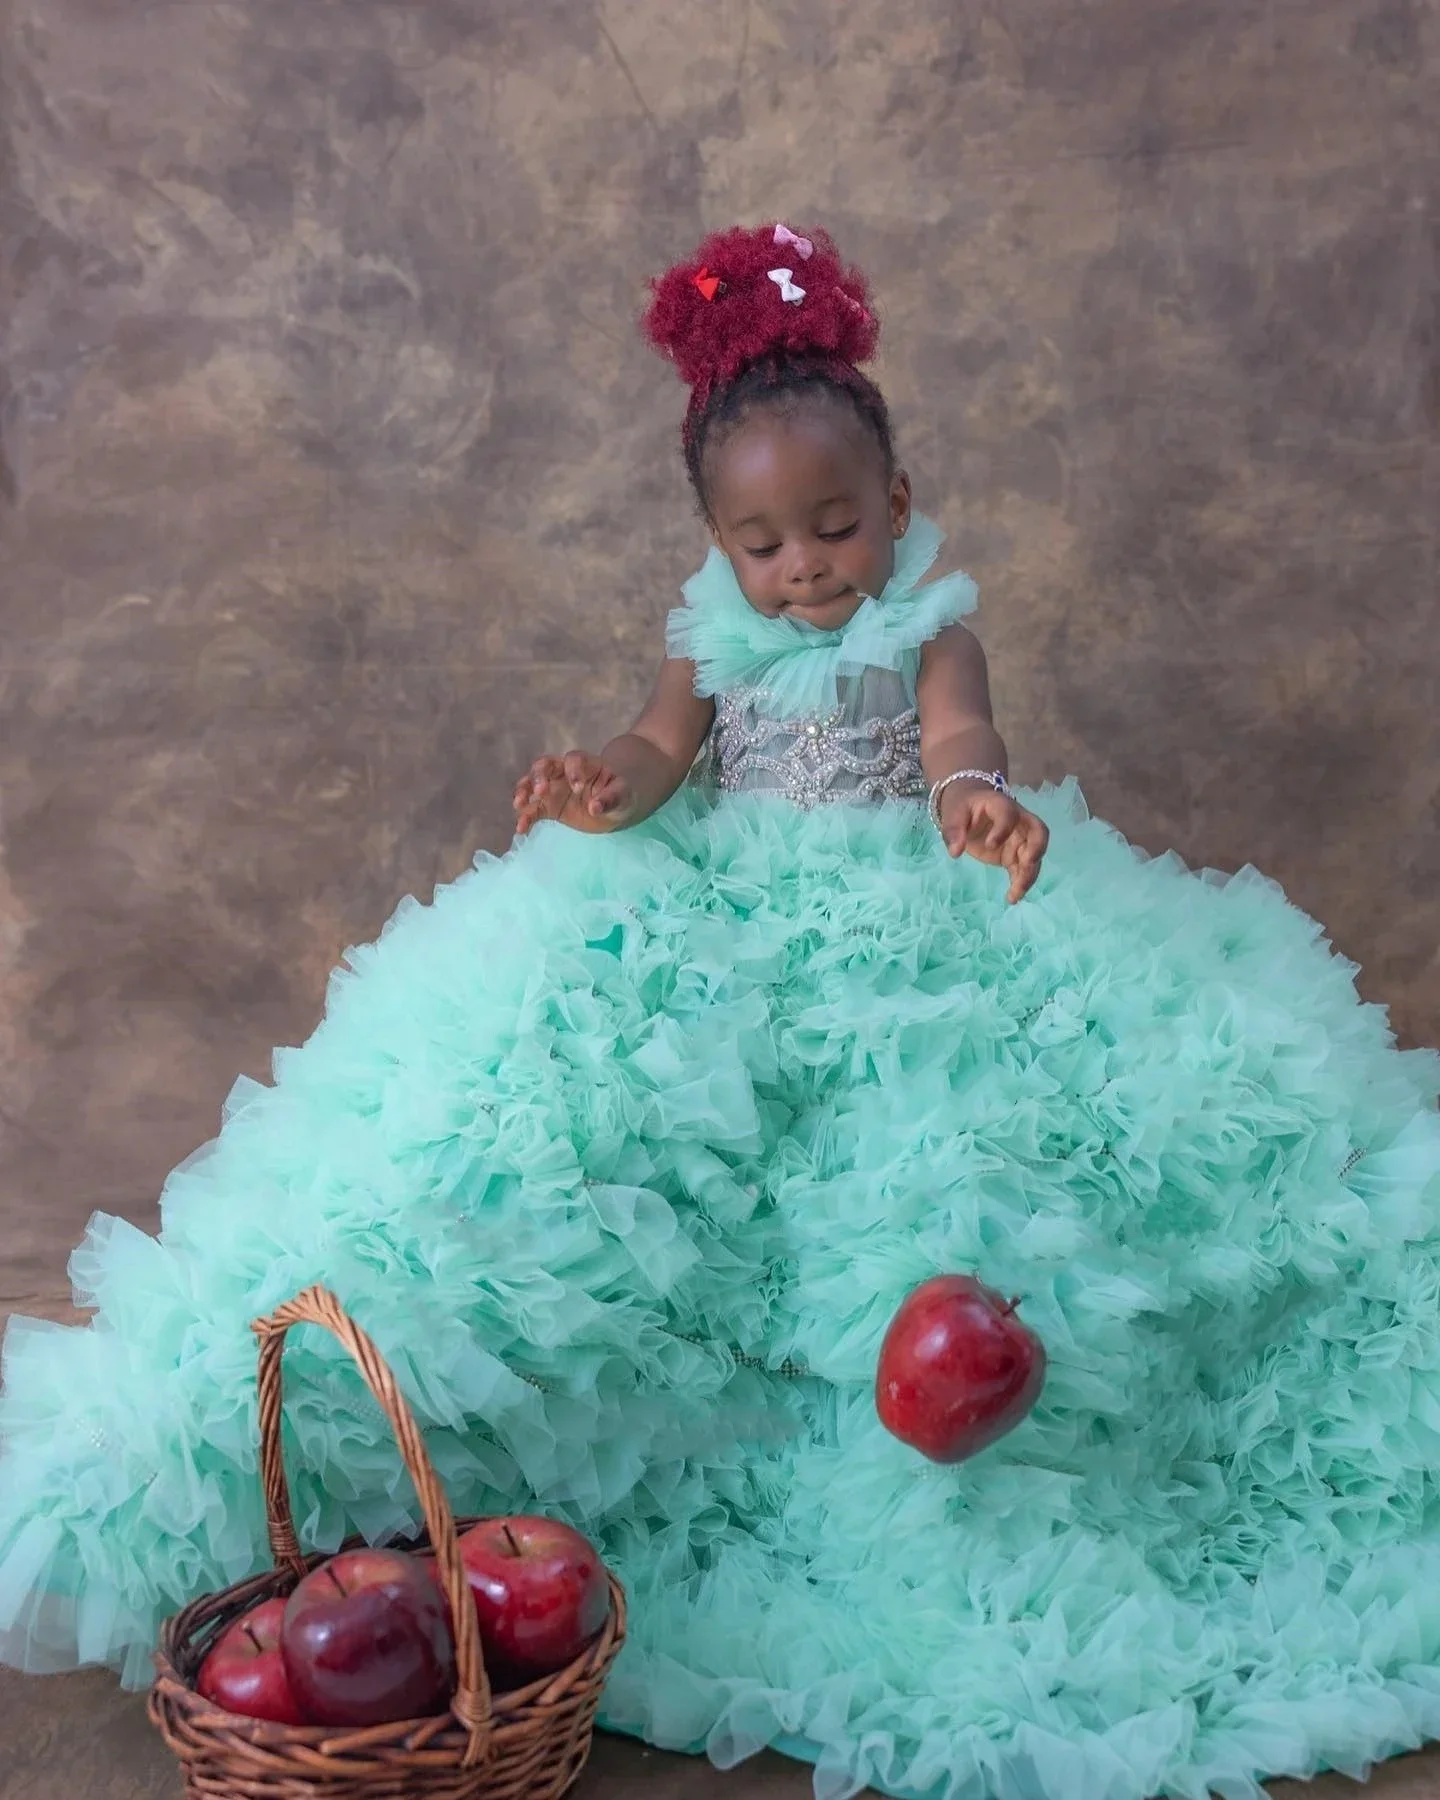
795,439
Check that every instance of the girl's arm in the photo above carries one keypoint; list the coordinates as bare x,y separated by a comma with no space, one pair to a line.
952,695
634,774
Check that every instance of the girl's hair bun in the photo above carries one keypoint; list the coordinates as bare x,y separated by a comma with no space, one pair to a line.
723,309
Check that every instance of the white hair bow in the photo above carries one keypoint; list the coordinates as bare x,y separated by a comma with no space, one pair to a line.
788,289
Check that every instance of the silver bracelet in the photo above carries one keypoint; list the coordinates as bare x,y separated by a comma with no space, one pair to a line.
991,777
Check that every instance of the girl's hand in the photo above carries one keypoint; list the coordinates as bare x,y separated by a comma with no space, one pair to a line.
576,789
994,829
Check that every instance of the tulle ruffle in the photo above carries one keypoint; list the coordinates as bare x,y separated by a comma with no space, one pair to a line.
619,1126
796,664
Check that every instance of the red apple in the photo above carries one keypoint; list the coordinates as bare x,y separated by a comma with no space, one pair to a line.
366,1639
957,1369
244,1671
541,1594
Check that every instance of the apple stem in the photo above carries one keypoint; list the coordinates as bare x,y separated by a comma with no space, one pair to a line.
250,1633
335,1580
510,1540
1010,1306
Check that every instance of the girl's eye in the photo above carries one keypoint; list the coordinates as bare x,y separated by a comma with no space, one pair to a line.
764,551
837,537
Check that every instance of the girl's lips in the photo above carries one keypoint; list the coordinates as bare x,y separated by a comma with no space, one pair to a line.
818,605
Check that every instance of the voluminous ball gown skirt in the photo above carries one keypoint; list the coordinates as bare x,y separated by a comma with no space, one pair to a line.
626,1149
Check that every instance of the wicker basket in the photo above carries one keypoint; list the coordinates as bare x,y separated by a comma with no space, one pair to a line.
528,1744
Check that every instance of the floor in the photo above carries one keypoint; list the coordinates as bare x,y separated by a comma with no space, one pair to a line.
77,1737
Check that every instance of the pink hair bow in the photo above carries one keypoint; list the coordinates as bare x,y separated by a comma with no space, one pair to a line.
802,245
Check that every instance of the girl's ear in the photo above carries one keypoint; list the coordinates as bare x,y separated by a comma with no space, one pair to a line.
899,503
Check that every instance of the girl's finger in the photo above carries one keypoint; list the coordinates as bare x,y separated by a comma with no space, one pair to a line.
1000,823
982,844
580,769
1027,869
550,774
1008,858
957,832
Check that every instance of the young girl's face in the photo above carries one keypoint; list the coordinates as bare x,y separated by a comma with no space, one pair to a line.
800,503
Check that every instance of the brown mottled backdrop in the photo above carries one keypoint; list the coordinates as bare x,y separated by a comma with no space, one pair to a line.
337,484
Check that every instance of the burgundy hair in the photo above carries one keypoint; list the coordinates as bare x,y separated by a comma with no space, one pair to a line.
724,324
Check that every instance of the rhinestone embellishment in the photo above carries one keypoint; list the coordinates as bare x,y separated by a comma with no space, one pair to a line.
814,760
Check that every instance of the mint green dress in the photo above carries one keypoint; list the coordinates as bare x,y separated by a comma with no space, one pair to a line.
627,1148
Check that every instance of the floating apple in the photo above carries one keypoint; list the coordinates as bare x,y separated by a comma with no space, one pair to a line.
244,1671
957,1369
541,1594
366,1639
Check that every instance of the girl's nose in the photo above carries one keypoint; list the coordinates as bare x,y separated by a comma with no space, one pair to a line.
805,565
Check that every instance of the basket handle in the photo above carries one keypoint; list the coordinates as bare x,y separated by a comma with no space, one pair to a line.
318,1306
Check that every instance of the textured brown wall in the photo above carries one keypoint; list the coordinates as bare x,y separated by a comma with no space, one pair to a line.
339,485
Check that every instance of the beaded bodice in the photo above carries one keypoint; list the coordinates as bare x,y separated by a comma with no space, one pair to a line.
866,747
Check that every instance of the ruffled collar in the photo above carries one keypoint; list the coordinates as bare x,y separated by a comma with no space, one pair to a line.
797,664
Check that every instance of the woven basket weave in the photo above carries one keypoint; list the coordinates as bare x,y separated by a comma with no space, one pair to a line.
528,1744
